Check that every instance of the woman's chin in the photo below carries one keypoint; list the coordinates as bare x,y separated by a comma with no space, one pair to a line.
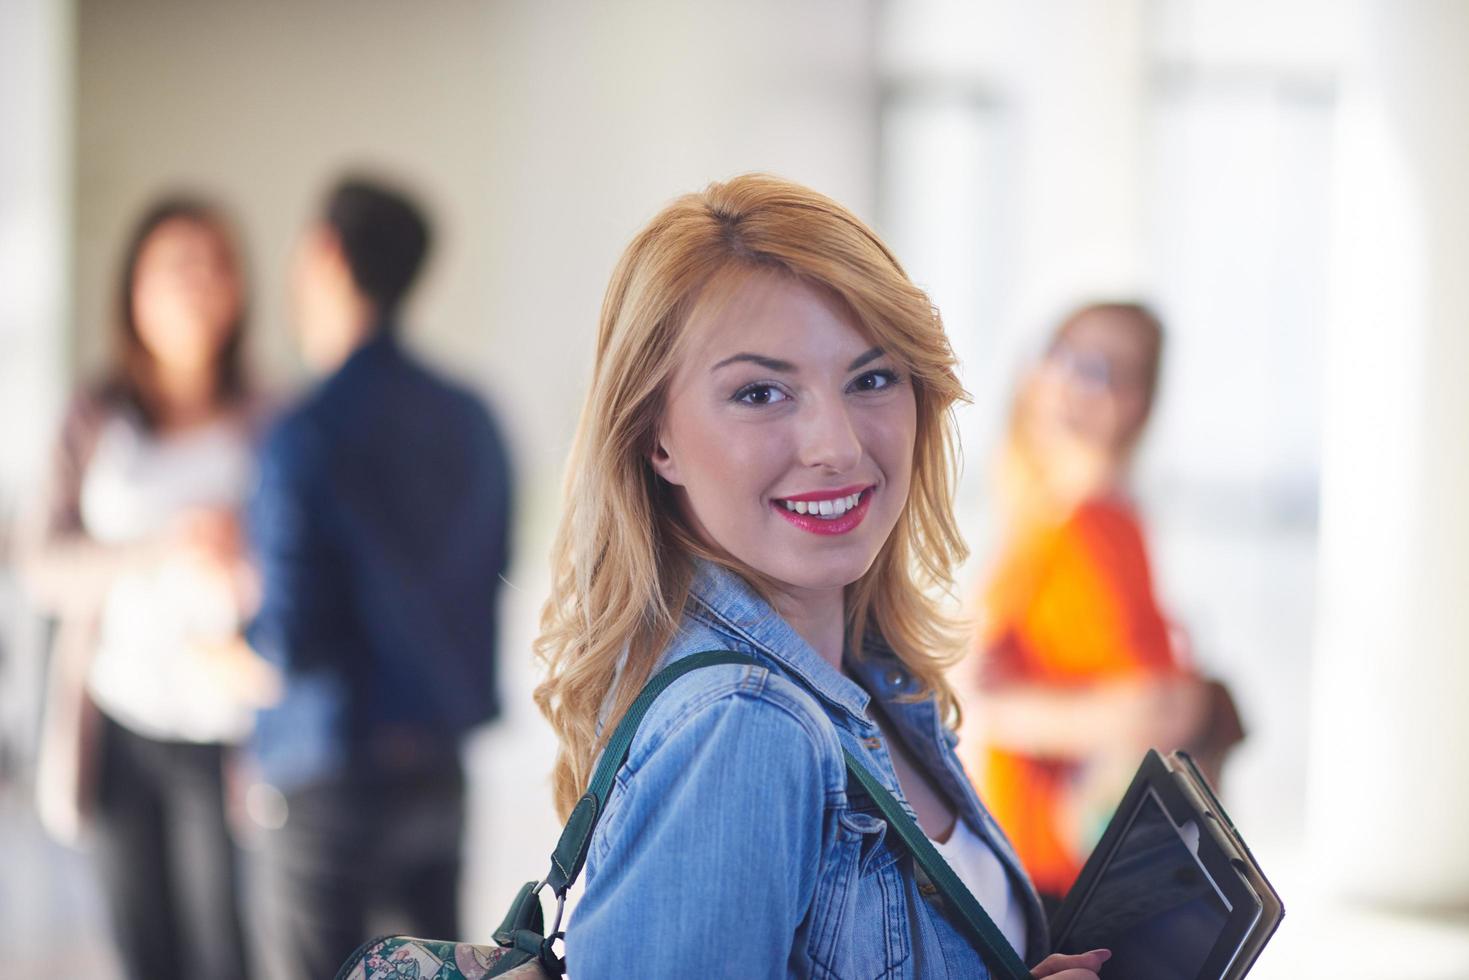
805,573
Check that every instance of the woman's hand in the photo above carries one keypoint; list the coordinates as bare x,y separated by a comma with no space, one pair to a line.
209,536
249,678
210,542
1082,966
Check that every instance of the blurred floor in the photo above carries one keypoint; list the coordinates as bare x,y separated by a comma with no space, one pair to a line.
50,909
1322,937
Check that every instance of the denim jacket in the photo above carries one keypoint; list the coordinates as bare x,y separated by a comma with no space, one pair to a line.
731,844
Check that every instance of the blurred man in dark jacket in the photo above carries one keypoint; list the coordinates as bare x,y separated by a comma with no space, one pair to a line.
380,525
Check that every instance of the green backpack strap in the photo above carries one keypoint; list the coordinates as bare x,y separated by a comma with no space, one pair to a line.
523,925
974,921
571,849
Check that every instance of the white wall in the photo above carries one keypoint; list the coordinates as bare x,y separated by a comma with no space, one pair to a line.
1392,680
543,134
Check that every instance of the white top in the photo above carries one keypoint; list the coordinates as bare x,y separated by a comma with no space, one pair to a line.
147,673
975,863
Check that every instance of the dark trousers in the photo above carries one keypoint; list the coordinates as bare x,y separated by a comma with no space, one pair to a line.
167,864
360,857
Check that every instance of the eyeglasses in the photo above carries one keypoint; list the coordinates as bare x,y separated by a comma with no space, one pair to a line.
1091,368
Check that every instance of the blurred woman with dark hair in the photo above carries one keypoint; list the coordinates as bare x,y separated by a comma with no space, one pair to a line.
1080,674
135,547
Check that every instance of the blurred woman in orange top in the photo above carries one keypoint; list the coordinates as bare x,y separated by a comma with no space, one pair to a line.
1079,671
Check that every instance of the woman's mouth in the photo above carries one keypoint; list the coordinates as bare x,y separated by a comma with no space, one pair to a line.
826,511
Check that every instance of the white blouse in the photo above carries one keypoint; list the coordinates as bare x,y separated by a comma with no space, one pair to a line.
147,673
975,863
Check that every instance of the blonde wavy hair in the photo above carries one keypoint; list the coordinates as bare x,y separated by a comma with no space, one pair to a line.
623,560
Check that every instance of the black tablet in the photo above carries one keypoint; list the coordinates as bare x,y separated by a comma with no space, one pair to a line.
1171,889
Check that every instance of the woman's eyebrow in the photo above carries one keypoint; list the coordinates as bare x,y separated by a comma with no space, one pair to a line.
769,363
786,367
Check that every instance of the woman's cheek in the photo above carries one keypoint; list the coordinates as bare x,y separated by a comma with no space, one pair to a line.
753,451
890,441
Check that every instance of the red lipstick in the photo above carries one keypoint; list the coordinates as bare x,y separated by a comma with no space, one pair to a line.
826,525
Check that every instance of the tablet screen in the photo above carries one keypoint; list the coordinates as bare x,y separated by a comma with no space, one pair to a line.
1154,907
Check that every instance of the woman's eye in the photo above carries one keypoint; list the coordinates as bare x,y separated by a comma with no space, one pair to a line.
875,381
760,395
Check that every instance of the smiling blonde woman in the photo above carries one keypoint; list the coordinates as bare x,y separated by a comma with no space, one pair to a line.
764,465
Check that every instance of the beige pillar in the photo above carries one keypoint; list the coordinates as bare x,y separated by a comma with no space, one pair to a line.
1389,790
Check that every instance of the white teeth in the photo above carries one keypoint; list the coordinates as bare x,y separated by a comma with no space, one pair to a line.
824,508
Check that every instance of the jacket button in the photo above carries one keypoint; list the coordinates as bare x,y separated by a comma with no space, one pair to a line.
872,743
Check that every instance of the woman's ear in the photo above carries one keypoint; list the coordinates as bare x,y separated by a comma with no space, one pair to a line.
663,462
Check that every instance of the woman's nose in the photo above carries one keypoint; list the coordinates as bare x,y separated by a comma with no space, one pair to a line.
829,439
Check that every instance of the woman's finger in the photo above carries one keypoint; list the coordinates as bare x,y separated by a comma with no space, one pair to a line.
1076,966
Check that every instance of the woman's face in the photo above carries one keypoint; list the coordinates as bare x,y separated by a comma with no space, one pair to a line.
789,435
186,294
1092,385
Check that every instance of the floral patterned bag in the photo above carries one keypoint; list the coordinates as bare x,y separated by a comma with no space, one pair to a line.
405,958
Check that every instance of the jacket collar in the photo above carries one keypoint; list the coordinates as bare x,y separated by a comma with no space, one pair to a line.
729,603
730,606
381,340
